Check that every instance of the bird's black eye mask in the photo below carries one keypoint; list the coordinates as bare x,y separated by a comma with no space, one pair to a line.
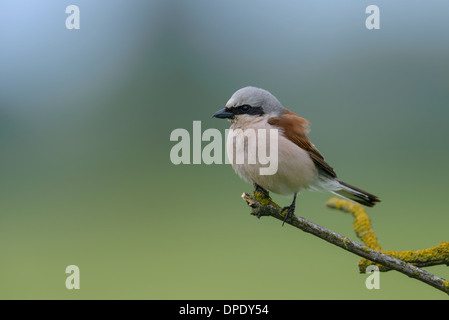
246,109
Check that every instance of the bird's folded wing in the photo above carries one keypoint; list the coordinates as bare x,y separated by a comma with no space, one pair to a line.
295,128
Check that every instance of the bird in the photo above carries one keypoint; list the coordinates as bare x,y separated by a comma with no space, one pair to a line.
300,165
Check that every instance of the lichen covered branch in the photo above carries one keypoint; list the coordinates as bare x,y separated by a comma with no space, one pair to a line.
436,255
263,206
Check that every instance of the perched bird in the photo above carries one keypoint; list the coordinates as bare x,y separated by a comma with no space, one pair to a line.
300,165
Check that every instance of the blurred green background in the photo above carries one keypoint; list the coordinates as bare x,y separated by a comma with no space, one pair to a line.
85,121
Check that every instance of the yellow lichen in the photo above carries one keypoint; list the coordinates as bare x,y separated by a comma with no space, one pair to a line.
446,286
263,199
364,231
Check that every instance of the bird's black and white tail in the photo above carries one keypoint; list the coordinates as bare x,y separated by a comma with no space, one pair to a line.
357,195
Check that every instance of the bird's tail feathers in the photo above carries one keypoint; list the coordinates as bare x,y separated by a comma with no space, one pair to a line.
352,193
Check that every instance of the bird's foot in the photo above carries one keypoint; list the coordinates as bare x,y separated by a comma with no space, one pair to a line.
289,214
290,210
261,190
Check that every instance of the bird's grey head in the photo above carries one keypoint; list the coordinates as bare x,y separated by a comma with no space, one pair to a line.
251,101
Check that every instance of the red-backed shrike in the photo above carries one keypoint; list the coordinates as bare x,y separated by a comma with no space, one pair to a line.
300,165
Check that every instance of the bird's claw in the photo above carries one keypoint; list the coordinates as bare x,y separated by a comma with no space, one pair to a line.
289,214
261,190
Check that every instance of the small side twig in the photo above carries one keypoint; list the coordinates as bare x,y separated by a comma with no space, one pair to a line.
263,206
363,228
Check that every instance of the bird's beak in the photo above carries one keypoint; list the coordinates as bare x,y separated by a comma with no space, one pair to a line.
223,114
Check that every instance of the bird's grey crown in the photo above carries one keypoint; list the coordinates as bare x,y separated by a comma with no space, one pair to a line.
256,97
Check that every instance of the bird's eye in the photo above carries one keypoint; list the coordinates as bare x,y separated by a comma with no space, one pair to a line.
245,108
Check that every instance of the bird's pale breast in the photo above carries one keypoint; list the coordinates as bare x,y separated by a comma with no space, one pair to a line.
295,168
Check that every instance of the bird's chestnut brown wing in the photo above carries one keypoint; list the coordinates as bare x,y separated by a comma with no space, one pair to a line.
295,128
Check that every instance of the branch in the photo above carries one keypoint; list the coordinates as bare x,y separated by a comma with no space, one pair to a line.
263,206
362,226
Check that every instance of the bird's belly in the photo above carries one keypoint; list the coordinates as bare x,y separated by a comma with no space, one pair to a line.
295,170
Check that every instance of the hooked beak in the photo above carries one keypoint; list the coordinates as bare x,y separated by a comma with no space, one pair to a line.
223,114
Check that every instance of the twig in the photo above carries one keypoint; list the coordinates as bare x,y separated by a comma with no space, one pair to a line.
436,255
264,206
